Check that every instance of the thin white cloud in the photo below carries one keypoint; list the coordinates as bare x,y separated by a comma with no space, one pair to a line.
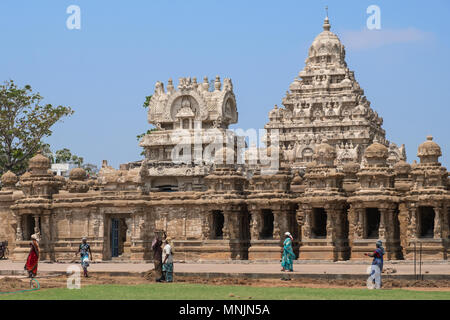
369,39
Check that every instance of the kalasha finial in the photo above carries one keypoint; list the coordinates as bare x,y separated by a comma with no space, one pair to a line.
326,23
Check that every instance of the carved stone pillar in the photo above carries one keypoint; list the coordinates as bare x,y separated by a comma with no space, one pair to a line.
206,225
129,232
437,223
389,224
256,224
139,226
280,224
299,215
129,223
339,224
306,228
446,223
276,225
19,232
45,225
227,225
382,227
412,226
331,232
358,223
139,248
36,225
45,235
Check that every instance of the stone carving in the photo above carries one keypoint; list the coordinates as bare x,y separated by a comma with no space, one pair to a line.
338,174
326,101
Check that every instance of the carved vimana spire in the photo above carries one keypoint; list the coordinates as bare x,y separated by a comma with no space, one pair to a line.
326,23
326,102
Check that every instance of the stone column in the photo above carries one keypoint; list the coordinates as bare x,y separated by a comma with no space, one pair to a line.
280,224
45,225
256,224
306,228
127,244
382,227
138,237
45,235
389,224
358,224
231,231
437,223
139,230
36,224
19,232
446,226
206,225
412,227
331,232
300,221
227,225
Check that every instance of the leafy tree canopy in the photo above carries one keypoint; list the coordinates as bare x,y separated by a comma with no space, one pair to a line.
24,122
140,136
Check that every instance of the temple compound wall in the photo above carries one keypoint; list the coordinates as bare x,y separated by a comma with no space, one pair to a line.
338,185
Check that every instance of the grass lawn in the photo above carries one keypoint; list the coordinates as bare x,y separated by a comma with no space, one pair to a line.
210,292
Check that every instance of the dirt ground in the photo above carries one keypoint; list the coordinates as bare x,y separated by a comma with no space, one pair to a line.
16,283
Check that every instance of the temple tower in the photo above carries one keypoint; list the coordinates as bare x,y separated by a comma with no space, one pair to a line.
326,102
191,124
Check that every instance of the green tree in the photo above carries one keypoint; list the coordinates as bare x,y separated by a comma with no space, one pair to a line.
146,105
90,168
24,122
77,160
63,156
47,152
66,156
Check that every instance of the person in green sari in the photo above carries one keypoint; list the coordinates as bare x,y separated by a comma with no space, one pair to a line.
287,260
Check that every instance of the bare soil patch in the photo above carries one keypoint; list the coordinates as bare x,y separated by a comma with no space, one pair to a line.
312,282
15,284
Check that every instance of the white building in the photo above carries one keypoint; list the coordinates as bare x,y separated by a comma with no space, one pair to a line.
62,169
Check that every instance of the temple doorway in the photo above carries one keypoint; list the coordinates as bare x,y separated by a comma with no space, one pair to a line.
217,227
267,227
29,226
426,222
319,223
372,223
118,236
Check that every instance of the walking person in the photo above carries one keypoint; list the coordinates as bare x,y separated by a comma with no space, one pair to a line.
287,259
167,258
157,258
377,265
85,251
33,257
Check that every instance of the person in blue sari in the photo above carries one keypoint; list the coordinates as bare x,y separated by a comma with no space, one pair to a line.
85,251
377,264
287,259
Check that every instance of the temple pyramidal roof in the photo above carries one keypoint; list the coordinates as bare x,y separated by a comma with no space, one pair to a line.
326,102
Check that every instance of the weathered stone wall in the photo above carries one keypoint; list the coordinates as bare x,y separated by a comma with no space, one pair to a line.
403,221
7,219
183,222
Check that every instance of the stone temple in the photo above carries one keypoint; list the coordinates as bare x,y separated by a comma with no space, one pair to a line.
338,187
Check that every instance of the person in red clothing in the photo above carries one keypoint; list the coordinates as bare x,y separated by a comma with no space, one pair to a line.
33,257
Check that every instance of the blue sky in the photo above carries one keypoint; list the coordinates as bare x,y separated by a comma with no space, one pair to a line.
105,69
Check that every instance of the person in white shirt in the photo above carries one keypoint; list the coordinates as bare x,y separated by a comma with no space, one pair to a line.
167,260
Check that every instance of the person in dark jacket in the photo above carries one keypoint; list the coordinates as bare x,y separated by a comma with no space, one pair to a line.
157,258
377,265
